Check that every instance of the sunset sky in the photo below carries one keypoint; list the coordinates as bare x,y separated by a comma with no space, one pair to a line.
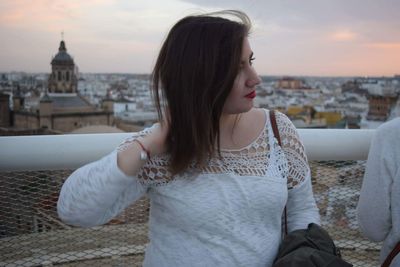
289,37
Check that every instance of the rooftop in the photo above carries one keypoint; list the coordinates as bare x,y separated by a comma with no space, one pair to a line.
33,168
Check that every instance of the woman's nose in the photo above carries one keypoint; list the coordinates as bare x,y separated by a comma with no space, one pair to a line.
253,81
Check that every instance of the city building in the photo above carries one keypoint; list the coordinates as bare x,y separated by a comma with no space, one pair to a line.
380,107
291,84
61,109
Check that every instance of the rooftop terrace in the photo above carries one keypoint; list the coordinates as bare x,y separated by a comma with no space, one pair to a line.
33,168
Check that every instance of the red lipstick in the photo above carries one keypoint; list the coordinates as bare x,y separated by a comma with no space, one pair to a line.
251,95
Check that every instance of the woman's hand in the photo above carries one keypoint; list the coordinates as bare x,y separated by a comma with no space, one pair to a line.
155,141
129,160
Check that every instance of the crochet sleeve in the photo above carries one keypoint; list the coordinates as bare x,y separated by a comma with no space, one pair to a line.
99,191
301,206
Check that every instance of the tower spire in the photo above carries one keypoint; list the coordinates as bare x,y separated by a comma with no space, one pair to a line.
62,43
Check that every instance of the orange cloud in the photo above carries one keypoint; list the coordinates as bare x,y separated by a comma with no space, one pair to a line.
343,35
384,45
45,14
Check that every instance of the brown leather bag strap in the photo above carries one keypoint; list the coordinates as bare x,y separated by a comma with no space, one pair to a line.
274,125
391,256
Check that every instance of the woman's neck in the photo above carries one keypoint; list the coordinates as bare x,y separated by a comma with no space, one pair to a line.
239,130
227,122
227,125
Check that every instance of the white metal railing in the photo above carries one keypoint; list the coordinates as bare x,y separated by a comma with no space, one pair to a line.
56,152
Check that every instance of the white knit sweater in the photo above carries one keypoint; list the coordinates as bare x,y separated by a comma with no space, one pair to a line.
378,208
227,214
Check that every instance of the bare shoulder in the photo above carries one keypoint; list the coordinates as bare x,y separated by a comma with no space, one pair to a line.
256,114
254,119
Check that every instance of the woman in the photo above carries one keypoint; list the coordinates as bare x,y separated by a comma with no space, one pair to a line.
216,178
378,208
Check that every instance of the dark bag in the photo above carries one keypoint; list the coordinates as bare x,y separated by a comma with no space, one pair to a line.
309,247
391,256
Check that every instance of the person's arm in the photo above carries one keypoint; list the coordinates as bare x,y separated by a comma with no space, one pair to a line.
373,209
301,207
98,191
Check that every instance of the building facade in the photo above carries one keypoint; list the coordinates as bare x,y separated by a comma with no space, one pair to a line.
63,77
380,106
61,109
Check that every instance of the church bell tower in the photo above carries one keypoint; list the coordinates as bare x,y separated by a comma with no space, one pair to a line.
63,77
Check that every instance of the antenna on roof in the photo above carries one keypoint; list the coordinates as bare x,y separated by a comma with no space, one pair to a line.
62,35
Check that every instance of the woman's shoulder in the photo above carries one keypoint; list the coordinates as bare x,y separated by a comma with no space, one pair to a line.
256,112
279,115
282,120
255,117
392,126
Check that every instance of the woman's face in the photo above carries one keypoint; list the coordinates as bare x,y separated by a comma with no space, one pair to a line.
240,99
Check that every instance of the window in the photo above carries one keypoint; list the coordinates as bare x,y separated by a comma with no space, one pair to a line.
59,75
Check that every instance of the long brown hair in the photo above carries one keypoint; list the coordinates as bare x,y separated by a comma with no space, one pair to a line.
192,77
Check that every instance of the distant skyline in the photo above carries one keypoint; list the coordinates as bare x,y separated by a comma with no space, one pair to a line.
289,37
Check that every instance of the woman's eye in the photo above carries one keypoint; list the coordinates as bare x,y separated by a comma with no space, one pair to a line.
251,60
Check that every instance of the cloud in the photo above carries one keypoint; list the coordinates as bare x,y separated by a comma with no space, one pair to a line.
316,15
384,45
47,15
343,35
288,36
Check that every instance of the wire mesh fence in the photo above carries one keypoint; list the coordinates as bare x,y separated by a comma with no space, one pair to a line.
31,234
336,186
